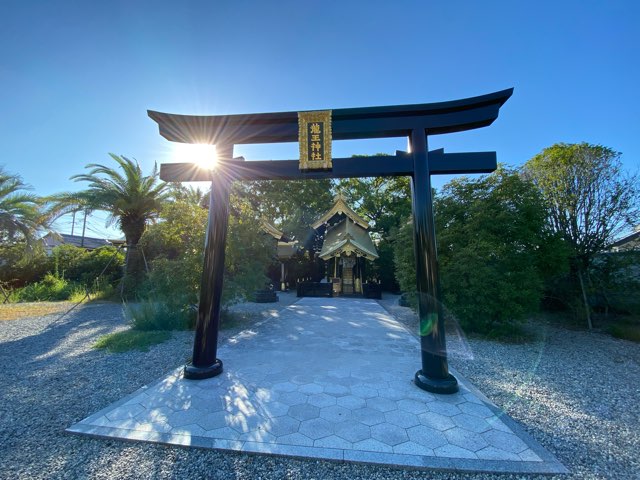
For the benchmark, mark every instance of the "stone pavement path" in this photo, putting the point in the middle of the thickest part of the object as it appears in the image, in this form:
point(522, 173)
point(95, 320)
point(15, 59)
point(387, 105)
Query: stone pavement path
point(327, 378)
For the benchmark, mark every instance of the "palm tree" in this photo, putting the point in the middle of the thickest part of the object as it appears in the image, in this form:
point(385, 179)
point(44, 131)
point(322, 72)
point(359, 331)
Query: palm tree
point(131, 198)
point(20, 213)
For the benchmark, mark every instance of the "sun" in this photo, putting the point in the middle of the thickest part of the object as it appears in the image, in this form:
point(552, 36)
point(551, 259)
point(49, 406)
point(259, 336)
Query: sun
point(202, 154)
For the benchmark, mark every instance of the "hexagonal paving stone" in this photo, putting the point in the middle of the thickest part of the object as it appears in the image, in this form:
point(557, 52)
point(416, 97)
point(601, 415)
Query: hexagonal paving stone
point(259, 435)
point(368, 416)
point(191, 430)
point(471, 423)
point(443, 408)
point(214, 420)
point(285, 387)
point(352, 431)
point(212, 403)
point(436, 421)
point(465, 439)
point(335, 413)
point(322, 400)
point(475, 409)
point(336, 389)
point(246, 423)
point(390, 393)
point(184, 417)
point(381, 404)
point(453, 451)
point(363, 391)
point(160, 415)
point(493, 453)
point(401, 418)
point(332, 441)
point(295, 439)
point(505, 441)
point(412, 406)
point(281, 426)
point(310, 388)
point(389, 434)
point(225, 433)
point(351, 402)
point(293, 398)
point(316, 428)
point(125, 412)
point(372, 445)
point(426, 436)
point(304, 411)
point(274, 409)
point(412, 448)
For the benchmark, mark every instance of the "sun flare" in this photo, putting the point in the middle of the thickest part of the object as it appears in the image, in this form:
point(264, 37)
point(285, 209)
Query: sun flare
point(202, 154)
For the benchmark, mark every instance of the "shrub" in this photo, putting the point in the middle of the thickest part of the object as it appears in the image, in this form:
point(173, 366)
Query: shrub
point(494, 251)
point(155, 316)
point(50, 288)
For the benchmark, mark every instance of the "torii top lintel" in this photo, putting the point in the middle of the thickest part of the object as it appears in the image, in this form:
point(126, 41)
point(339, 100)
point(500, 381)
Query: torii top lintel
point(347, 123)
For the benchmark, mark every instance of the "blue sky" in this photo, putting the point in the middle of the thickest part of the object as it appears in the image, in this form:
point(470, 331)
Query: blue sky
point(78, 77)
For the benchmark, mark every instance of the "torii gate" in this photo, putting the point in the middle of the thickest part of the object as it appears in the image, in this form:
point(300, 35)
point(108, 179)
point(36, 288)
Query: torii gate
point(413, 121)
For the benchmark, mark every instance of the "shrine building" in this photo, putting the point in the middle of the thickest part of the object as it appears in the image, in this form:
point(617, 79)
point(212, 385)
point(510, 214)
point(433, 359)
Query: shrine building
point(346, 247)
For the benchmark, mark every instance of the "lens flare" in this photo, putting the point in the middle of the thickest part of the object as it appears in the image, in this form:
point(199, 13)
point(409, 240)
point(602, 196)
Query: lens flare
point(202, 154)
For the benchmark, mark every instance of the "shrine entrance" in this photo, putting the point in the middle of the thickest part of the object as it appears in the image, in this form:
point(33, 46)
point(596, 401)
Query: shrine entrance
point(315, 131)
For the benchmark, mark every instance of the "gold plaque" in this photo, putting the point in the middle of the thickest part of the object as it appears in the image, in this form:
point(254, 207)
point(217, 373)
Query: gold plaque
point(314, 135)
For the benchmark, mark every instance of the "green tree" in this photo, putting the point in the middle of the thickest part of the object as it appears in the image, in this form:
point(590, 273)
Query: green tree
point(20, 211)
point(493, 249)
point(132, 199)
point(175, 248)
point(589, 198)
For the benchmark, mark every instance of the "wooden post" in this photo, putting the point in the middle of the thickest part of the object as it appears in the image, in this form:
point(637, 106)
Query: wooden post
point(434, 375)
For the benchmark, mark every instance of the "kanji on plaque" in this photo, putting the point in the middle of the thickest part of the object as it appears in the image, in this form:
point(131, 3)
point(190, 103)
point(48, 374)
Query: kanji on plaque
point(314, 135)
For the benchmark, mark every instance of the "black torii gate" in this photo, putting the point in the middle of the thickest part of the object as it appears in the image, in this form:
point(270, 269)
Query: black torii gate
point(413, 121)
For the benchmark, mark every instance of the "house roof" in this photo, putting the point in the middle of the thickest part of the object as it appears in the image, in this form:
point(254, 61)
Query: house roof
point(627, 243)
point(53, 240)
point(340, 207)
point(348, 237)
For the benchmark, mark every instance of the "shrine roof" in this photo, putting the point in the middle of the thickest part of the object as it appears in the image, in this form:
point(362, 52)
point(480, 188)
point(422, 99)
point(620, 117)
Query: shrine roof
point(347, 236)
point(340, 207)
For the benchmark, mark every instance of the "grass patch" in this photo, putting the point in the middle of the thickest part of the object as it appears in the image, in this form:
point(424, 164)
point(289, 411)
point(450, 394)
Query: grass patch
point(15, 311)
point(131, 340)
point(626, 331)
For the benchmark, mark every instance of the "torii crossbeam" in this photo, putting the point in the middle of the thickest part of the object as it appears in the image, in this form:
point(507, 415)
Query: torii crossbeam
point(413, 121)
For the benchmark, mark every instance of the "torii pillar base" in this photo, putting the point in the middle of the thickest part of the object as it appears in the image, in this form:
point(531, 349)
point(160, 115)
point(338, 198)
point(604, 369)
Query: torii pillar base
point(192, 372)
point(436, 385)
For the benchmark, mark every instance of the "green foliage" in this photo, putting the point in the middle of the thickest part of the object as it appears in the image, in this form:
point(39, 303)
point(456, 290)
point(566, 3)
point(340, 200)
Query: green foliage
point(404, 257)
point(157, 316)
point(494, 251)
point(175, 248)
point(18, 268)
point(20, 212)
point(291, 206)
point(615, 282)
point(589, 199)
point(626, 331)
point(131, 340)
point(50, 288)
point(132, 198)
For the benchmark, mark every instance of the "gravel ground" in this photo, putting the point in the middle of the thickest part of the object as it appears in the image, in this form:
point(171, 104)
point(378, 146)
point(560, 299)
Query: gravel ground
point(562, 388)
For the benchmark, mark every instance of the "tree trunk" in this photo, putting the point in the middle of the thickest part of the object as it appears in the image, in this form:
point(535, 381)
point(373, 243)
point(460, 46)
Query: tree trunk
point(587, 309)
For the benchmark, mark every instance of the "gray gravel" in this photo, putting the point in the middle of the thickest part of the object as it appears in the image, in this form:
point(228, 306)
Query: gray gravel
point(575, 392)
